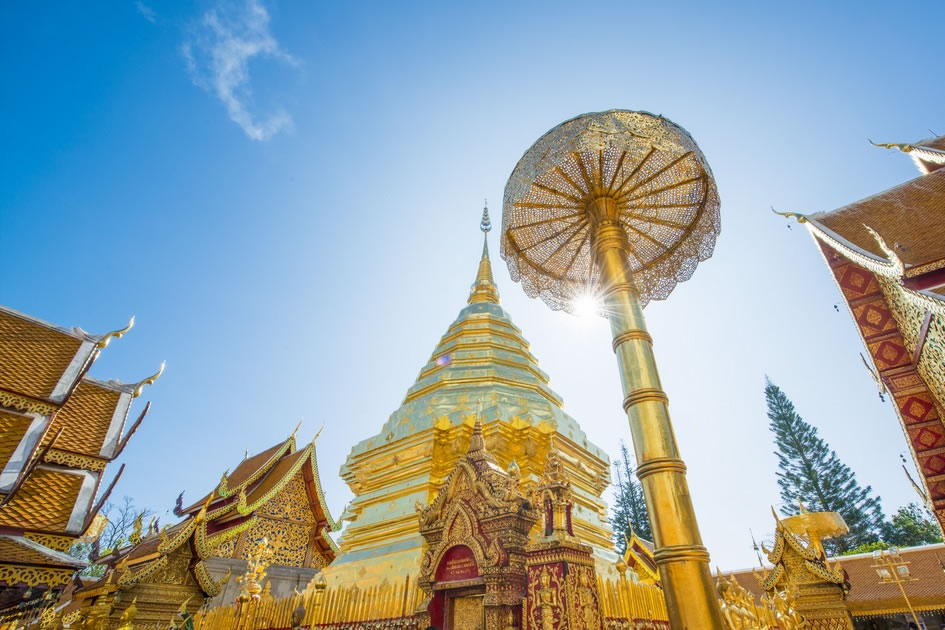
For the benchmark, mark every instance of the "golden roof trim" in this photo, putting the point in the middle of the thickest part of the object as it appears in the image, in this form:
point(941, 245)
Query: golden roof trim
point(75, 460)
point(26, 403)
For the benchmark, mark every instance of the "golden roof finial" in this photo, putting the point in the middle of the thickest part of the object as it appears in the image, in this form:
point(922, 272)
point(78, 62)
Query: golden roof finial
point(484, 289)
point(905, 148)
point(800, 217)
point(115, 334)
point(221, 487)
point(202, 514)
point(148, 381)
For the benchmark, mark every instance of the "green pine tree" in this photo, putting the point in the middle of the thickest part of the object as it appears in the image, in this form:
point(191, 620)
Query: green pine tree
point(810, 471)
point(629, 509)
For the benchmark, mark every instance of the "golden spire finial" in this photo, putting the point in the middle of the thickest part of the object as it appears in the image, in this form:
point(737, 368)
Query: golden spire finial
point(800, 217)
point(905, 148)
point(484, 289)
point(148, 381)
point(115, 334)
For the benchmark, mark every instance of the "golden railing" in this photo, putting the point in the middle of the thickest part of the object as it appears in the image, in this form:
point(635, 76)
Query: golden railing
point(332, 606)
point(633, 601)
point(620, 600)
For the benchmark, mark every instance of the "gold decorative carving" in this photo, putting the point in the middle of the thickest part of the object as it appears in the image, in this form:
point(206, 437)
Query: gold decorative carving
point(22, 403)
point(59, 543)
point(75, 460)
point(11, 574)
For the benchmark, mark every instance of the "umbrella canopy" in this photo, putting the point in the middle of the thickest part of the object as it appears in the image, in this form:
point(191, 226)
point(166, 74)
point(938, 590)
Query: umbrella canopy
point(647, 167)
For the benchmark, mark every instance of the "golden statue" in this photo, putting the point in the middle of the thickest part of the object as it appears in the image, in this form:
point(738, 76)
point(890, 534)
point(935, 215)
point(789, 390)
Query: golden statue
point(547, 601)
point(587, 603)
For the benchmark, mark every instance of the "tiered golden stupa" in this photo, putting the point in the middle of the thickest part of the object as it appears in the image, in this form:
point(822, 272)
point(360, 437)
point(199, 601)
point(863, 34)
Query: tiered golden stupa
point(482, 365)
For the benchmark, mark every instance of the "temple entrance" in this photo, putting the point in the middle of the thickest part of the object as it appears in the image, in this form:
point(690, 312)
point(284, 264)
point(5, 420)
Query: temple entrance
point(465, 612)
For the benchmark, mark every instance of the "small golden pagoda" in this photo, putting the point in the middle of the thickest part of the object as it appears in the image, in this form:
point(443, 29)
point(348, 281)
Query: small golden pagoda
point(887, 255)
point(59, 429)
point(275, 495)
point(482, 365)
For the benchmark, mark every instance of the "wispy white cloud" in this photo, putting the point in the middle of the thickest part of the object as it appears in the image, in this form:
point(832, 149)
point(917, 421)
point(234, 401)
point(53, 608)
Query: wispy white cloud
point(224, 41)
point(146, 11)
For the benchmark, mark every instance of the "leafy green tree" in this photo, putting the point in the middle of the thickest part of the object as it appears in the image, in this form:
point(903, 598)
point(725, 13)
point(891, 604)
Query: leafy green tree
point(876, 545)
point(629, 509)
point(910, 526)
point(810, 471)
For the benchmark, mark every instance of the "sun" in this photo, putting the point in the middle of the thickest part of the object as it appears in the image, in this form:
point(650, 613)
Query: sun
point(587, 306)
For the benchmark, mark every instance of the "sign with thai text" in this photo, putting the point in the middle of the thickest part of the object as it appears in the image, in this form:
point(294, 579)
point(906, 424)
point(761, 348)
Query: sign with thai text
point(458, 563)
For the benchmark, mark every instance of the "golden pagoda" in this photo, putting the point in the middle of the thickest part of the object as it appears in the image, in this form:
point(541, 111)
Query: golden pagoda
point(59, 429)
point(481, 366)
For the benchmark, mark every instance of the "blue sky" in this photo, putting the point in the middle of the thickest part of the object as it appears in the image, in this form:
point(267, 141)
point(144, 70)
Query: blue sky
point(286, 195)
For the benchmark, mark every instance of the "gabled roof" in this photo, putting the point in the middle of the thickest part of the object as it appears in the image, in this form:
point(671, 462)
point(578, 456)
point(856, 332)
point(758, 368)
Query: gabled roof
point(20, 550)
point(910, 218)
point(46, 502)
point(40, 360)
point(229, 510)
point(249, 470)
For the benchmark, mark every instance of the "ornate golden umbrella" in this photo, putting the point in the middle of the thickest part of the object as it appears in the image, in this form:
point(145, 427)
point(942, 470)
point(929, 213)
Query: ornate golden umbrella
point(623, 205)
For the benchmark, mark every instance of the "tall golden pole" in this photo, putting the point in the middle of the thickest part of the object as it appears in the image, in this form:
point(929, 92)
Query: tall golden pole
point(691, 597)
point(623, 203)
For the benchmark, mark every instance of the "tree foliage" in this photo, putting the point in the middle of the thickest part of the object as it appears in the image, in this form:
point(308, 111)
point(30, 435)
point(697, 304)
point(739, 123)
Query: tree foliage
point(629, 509)
point(912, 525)
point(810, 471)
point(870, 547)
point(121, 518)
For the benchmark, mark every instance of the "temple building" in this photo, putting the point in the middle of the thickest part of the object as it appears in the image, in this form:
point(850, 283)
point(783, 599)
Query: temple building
point(59, 429)
point(483, 367)
point(878, 604)
point(638, 560)
point(274, 495)
point(887, 255)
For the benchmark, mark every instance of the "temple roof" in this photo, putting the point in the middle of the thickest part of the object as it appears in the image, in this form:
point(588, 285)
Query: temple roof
point(868, 596)
point(250, 469)
point(36, 357)
point(22, 550)
point(910, 218)
point(239, 501)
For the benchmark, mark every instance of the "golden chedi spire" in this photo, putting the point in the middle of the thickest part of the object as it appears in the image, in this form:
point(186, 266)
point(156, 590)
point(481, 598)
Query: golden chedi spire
point(484, 289)
point(480, 373)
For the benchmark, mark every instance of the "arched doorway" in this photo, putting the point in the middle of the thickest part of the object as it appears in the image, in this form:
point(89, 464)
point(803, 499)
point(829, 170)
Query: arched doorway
point(458, 588)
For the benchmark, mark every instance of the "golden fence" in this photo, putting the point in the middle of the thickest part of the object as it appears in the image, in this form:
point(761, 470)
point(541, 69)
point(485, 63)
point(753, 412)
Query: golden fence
point(386, 601)
point(633, 601)
point(393, 604)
